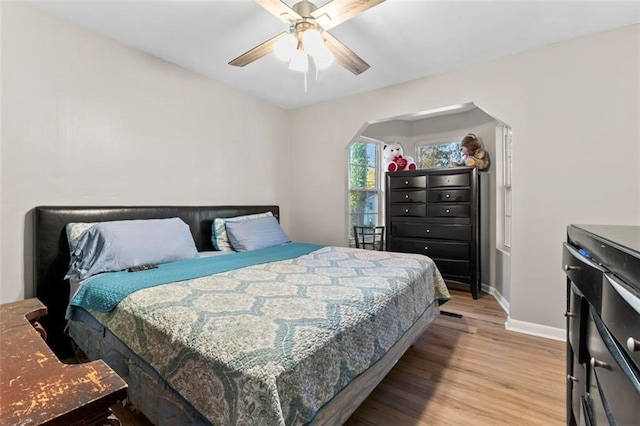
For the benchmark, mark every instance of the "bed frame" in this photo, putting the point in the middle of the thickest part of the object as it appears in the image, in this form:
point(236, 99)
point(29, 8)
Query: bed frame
point(51, 252)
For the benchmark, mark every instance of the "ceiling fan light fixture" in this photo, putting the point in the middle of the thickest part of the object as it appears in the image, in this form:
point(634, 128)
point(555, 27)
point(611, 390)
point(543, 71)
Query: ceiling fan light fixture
point(323, 58)
point(311, 23)
point(312, 41)
point(299, 61)
point(285, 48)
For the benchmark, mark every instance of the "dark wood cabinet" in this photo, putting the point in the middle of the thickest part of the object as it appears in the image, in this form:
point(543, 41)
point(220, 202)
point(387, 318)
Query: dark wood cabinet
point(602, 264)
point(435, 212)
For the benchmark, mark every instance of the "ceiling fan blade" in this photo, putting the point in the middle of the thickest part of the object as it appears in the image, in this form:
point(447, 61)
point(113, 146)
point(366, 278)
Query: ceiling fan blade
point(338, 11)
point(280, 10)
point(344, 56)
point(257, 52)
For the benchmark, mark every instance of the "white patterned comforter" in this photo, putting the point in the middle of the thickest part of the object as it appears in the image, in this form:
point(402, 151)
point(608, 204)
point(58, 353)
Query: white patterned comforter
point(271, 344)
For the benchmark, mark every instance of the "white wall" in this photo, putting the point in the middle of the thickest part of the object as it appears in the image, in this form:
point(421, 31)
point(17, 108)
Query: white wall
point(391, 131)
point(573, 107)
point(89, 121)
point(1, 239)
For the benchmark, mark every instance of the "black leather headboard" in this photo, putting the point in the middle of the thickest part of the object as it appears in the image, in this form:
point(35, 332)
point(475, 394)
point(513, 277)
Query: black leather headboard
point(51, 250)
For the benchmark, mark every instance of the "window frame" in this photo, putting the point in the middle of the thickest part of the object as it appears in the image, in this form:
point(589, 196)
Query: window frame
point(379, 187)
point(504, 189)
point(430, 142)
point(507, 170)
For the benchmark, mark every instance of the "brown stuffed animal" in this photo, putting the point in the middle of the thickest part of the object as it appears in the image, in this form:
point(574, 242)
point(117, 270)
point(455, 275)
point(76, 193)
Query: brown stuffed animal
point(472, 152)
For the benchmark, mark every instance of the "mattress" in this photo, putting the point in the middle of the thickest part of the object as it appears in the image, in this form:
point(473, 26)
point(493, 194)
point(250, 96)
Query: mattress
point(274, 342)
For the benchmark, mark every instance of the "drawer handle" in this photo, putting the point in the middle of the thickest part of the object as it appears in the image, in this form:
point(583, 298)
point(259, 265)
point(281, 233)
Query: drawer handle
point(406, 182)
point(633, 345)
point(597, 363)
point(406, 210)
point(406, 196)
point(571, 378)
point(428, 231)
point(448, 211)
point(426, 248)
point(447, 196)
point(571, 268)
point(569, 314)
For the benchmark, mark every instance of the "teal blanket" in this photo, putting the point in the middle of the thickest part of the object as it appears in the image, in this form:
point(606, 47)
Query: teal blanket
point(103, 292)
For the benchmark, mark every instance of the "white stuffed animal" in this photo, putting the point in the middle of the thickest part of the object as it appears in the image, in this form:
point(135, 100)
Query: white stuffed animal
point(394, 158)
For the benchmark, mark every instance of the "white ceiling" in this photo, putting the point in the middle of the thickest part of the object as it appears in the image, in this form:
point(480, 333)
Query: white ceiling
point(401, 39)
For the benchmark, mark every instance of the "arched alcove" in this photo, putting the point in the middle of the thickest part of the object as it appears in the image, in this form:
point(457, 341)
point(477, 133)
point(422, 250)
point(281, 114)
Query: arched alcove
point(445, 125)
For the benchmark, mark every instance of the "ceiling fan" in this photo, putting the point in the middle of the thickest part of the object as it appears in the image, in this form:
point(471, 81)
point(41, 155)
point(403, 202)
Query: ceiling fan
point(308, 35)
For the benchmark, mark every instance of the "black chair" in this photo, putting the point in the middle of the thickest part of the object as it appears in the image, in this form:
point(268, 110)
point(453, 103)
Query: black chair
point(369, 237)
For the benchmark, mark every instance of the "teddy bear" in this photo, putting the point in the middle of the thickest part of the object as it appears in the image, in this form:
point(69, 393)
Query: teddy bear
point(472, 152)
point(394, 158)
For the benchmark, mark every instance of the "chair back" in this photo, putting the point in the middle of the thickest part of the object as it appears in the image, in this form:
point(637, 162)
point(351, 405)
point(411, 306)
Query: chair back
point(369, 237)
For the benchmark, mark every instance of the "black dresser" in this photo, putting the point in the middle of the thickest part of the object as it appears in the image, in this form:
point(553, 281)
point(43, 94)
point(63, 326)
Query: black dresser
point(435, 212)
point(602, 264)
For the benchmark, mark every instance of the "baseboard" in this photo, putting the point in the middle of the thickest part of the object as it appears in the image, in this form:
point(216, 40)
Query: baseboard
point(523, 326)
point(504, 303)
point(536, 329)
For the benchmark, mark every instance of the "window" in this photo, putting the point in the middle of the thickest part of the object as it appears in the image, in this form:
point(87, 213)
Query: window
point(442, 153)
point(506, 168)
point(364, 185)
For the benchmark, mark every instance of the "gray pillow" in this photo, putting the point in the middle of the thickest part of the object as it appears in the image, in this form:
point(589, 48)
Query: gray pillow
point(256, 234)
point(219, 230)
point(74, 231)
point(118, 245)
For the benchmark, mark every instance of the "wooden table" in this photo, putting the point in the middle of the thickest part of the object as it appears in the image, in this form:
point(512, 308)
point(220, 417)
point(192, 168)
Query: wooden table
point(36, 388)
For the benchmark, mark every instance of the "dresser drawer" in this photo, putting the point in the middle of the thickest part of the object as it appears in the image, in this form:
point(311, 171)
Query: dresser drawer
point(455, 269)
point(577, 385)
point(577, 311)
point(427, 230)
point(617, 379)
point(449, 195)
point(416, 210)
point(409, 196)
point(408, 182)
point(458, 179)
point(584, 273)
point(445, 210)
point(622, 319)
point(433, 248)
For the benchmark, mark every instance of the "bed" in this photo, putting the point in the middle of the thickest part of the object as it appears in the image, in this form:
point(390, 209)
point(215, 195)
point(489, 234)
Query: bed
point(294, 334)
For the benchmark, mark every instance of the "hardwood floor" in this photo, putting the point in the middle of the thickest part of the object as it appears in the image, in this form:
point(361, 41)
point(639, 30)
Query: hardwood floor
point(471, 371)
point(464, 371)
